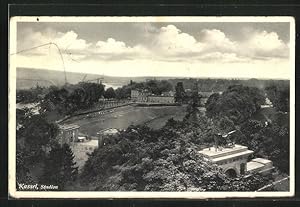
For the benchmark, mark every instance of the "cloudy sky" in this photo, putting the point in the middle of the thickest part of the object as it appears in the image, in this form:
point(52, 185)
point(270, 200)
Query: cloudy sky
point(184, 49)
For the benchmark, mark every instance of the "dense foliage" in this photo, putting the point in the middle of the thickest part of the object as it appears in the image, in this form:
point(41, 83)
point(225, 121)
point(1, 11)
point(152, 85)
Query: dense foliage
point(154, 86)
point(34, 133)
point(167, 159)
point(238, 103)
point(70, 98)
point(37, 146)
point(279, 96)
point(30, 95)
point(217, 85)
point(270, 141)
point(142, 159)
point(110, 93)
point(236, 109)
point(60, 168)
point(179, 93)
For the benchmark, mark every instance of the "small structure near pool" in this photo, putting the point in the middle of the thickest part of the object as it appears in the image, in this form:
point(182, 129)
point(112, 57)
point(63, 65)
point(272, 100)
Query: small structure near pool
point(68, 133)
point(104, 136)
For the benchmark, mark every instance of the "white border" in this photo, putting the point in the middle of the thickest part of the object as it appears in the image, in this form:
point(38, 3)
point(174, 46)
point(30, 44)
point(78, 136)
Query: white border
point(92, 194)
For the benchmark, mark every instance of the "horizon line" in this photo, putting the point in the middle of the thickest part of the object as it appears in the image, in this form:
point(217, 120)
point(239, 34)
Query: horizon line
point(150, 76)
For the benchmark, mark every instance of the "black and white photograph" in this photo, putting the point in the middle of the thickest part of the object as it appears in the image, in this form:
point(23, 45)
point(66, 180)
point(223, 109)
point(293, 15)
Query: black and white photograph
point(151, 107)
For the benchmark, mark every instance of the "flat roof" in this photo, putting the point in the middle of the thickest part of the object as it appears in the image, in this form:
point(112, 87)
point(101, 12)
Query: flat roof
point(254, 166)
point(108, 131)
point(89, 143)
point(161, 96)
point(213, 153)
point(243, 153)
point(69, 126)
point(262, 160)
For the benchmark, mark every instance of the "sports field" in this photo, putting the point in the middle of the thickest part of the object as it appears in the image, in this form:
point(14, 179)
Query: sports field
point(122, 117)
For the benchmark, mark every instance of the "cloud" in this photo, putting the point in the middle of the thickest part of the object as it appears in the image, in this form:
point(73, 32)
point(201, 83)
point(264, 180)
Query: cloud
point(30, 38)
point(223, 57)
point(111, 46)
point(74, 47)
point(213, 45)
point(171, 41)
point(265, 44)
point(114, 47)
point(70, 41)
point(217, 41)
point(164, 44)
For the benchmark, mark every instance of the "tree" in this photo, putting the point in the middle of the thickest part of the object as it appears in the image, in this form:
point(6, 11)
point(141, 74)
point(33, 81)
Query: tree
point(35, 137)
point(60, 167)
point(195, 99)
point(36, 134)
point(93, 91)
point(55, 99)
point(164, 86)
point(72, 97)
point(238, 103)
point(280, 97)
point(179, 92)
point(157, 87)
point(52, 173)
point(25, 96)
point(68, 164)
point(110, 93)
point(30, 95)
point(271, 141)
point(23, 175)
point(153, 86)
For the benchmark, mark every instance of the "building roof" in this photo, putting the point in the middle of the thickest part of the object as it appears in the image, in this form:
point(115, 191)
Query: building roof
point(259, 165)
point(253, 166)
point(244, 153)
point(213, 153)
point(89, 143)
point(225, 153)
point(262, 161)
point(68, 126)
point(141, 90)
point(161, 96)
point(108, 131)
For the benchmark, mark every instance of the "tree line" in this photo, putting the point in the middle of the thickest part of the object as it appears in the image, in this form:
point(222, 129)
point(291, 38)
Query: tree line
point(218, 84)
point(67, 99)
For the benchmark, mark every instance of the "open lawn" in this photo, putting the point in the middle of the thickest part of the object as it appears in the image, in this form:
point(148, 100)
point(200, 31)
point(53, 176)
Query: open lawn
point(122, 117)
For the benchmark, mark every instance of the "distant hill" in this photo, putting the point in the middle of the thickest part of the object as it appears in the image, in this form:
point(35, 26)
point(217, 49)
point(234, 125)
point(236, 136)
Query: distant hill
point(28, 78)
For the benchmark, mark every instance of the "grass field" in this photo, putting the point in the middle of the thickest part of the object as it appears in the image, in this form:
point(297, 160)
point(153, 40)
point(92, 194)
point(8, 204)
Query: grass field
point(122, 117)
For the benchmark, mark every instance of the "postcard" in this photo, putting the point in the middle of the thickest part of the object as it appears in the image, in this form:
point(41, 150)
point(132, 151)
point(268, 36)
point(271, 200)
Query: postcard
point(151, 107)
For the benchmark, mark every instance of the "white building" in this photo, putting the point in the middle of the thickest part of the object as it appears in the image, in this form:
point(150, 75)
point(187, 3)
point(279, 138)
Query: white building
point(233, 160)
